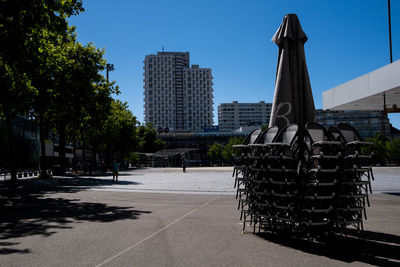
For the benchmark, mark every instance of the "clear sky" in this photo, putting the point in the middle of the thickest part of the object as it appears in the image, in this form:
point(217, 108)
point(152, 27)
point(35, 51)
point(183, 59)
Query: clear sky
point(346, 39)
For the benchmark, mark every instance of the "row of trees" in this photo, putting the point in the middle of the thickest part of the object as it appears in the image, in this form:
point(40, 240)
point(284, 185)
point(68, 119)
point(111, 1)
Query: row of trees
point(386, 151)
point(46, 74)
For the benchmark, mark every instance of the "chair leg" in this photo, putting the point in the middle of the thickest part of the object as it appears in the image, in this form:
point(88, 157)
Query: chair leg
point(370, 175)
point(241, 211)
point(244, 223)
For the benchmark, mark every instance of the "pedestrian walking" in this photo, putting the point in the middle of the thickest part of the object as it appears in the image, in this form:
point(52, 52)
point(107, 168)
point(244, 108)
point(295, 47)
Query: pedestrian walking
point(183, 162)
point(115, 170)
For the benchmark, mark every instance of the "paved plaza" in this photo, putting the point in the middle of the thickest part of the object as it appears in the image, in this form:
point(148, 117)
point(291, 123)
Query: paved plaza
point(164, 217)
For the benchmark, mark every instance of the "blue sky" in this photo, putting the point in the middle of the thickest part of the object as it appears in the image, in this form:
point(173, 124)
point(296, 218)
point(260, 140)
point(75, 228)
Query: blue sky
point(346, 39)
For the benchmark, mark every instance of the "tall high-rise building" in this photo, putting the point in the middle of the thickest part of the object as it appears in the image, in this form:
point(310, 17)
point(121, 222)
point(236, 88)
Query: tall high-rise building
point(232, 116)
point(177, 96)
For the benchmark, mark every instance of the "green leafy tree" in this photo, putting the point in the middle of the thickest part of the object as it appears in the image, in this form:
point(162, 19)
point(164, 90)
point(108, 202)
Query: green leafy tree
point(215, 151)
point(148, 141)
point(83, 99)
point(30, 32)
point(116, 135)
point(121, 130)
point(378, 148)
point(228, 150)
point(393, 149)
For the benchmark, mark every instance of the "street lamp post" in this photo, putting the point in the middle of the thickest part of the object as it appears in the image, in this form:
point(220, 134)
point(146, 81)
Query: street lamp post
point(109, 67)
point(390, 33)
point(385, 110)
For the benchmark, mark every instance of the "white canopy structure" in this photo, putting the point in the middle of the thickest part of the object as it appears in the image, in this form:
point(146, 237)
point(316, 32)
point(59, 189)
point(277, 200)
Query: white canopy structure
point(366, 92)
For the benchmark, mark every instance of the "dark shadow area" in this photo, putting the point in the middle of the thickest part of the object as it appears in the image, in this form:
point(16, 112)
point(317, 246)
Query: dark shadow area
point(98, 173)
point(108, 174)
point(62, 184)
point(393, 193)
point(28, 208)
point(86, 182)
point(5, 250)
point(374, 248)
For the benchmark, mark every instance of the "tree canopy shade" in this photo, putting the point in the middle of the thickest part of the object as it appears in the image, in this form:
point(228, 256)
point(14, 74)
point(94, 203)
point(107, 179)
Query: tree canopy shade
point(215, 151)
point(228, 151)
point(224, 152)
point(148, 141)
point(385, 151)
point(46, 73)
point(28, 30)
point(30, 33)
point(116, 135)
point(83, 97)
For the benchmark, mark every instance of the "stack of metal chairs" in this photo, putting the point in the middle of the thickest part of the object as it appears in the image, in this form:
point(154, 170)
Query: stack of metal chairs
point(267, 199)
point(315, 186)
point(323, 157)
point(242, 164)
point(355, 180)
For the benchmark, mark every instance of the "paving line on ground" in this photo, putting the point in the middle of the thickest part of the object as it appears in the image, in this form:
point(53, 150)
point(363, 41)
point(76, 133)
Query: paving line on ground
point(155, 233)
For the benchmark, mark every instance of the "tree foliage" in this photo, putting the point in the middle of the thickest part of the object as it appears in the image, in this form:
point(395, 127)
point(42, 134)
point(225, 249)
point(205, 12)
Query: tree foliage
point(119, 131)
point(45, 72)
point(215, 151)
point(384, 150)
point(224, 152)
point(228, 151)
point(393, 149)
point(31, 33)
point(148, 141)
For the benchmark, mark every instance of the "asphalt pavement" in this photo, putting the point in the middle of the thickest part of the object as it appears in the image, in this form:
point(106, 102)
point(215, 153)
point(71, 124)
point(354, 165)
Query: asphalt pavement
point(164, 217)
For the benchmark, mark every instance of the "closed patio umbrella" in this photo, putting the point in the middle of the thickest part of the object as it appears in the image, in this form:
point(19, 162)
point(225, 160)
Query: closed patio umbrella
point(293, 100)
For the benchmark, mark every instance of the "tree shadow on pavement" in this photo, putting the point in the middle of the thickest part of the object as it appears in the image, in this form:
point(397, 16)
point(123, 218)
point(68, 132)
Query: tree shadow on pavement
point(393, 193)
point(30, 208)
point(4, 248)
point(61, 184)
point(369, 247)
point(108, 174)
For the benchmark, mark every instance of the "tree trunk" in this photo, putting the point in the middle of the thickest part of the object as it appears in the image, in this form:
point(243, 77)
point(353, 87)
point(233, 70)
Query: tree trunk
point(94, 159)
point(61, 146)
point(43, 159)
point(10, 145)
point(74, 161)
point(83, 152)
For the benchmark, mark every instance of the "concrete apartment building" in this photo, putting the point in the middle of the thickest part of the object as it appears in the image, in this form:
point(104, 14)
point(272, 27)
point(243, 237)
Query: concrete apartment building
point(177, 97)
point(366, 122)
point(232, 116)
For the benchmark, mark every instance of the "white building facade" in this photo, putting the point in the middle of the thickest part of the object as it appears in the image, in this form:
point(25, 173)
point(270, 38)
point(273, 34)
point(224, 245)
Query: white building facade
point(232, 116)
point(177, 97)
